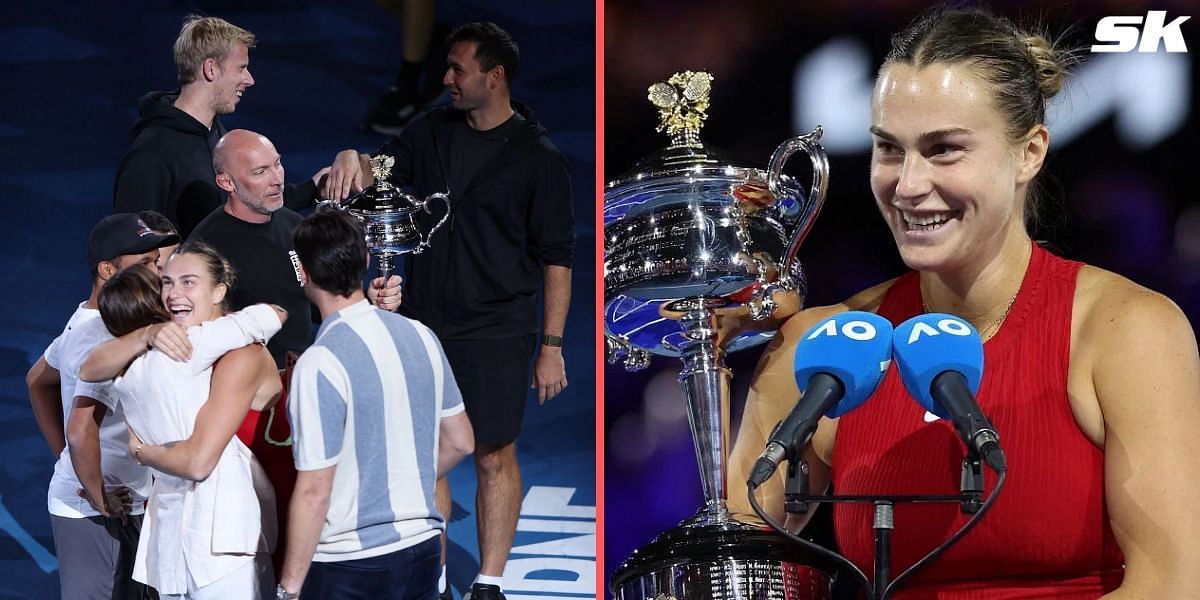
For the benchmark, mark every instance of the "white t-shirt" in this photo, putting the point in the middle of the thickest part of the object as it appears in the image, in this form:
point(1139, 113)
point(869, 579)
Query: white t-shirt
point(84, 331)
point(199, 529)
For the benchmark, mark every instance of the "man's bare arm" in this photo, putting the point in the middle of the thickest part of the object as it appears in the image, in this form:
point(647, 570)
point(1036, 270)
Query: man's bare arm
point(46, 400)
point(456, 440)
point(83, 431)
point(310, 504)
point(549, 370)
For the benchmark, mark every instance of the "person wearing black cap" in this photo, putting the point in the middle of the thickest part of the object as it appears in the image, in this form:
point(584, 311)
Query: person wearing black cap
point(97, 492)
point(160, 224)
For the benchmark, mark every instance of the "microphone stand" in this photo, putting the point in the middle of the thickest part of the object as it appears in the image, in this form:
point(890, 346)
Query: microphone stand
point(795, 486)
point(971, 483)
point(970, 500)
point(884, 524)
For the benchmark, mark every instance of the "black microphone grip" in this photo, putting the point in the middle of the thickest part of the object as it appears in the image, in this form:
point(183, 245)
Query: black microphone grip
point(950, 389)
point(797, 428)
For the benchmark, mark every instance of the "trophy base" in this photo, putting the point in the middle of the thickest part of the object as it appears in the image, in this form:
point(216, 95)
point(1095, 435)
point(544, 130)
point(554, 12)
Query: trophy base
point(722, 562)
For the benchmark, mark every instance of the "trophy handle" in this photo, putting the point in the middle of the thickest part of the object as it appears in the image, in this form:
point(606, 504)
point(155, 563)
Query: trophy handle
point(334, 203)
point(425, 237)
point(816, 196)
point(618, 349)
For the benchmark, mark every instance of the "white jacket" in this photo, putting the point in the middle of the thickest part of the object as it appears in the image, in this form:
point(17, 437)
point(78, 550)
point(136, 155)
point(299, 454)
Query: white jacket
point(208, 528)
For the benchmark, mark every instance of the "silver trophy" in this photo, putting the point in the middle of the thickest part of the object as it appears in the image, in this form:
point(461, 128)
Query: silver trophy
point(699, 260)
point(387, 215)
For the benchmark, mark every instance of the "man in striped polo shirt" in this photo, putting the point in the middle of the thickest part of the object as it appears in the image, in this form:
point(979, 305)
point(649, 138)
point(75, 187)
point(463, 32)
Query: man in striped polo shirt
point(376, 418)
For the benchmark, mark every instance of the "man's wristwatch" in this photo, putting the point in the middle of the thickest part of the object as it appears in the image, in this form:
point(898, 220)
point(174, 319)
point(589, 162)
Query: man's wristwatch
point(552, 340)
point(282, 594)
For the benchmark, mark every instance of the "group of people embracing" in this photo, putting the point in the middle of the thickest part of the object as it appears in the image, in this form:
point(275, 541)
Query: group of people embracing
point(179, 387)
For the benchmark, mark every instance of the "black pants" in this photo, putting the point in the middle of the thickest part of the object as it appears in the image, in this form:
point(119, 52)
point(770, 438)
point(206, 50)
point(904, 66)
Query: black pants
point(408, 574)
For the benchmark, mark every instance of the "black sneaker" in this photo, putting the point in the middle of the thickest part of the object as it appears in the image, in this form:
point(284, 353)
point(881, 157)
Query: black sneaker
point(393, 112)
point(480, 591)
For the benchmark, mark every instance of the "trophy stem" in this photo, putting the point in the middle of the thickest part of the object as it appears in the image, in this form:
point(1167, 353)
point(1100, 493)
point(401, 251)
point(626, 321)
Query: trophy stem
point(705, 381)
point(385, 264)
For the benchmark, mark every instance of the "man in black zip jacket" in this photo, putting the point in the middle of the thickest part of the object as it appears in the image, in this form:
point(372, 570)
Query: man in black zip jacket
point(510, 229)
point(169, 164)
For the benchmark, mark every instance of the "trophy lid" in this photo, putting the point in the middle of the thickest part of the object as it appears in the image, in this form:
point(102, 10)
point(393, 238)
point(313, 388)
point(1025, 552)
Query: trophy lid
point(686, 166)
point(382, 195)
point(682, 103)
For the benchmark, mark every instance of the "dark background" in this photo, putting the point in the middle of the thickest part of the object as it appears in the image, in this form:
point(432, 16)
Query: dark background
point(1123, 137)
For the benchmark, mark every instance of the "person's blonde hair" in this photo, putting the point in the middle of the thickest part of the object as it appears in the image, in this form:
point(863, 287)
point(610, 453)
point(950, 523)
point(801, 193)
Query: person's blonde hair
point(202, 38)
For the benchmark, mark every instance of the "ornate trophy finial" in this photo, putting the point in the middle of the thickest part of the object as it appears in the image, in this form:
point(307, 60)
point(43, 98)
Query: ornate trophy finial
point(682, 102)
point(381, 167)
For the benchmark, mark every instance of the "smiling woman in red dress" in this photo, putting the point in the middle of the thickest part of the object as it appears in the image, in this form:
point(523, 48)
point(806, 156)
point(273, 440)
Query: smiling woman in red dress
point(1092, 381)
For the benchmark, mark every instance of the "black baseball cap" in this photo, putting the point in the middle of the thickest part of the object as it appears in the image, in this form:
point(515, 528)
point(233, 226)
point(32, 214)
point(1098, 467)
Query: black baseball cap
point(124, 233)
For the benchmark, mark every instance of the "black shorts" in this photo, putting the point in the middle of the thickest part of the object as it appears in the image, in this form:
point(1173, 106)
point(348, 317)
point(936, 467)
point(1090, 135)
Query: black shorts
point(494, 377)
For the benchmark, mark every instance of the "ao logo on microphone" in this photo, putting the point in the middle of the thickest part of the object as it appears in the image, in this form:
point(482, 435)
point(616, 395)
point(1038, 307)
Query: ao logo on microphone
point(1123, 33)
point(856, 330)
point(950, 326)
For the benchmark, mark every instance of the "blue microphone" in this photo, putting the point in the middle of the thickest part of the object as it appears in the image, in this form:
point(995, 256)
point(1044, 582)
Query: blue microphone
point(838, 364)
point(940, 359)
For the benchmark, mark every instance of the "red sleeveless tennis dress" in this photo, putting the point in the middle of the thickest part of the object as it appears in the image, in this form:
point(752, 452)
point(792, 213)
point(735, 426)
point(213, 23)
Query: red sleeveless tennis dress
point(269, 436)
point(1048, 534)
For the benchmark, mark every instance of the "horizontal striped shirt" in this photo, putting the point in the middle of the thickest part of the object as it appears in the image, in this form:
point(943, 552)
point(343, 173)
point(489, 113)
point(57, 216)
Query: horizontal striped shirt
point(368, 396)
